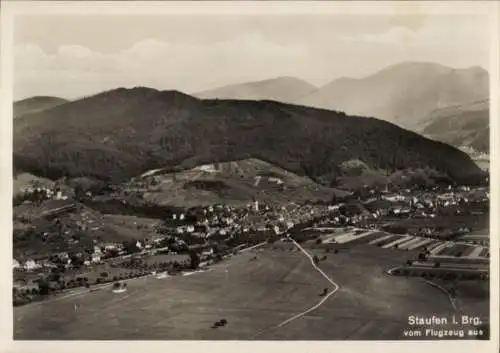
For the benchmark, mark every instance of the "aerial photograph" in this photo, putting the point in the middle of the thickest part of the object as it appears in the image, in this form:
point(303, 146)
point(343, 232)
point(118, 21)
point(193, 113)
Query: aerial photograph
point(251, 176)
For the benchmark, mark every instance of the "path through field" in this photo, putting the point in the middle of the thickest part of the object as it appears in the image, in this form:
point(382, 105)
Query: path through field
point(316, 306)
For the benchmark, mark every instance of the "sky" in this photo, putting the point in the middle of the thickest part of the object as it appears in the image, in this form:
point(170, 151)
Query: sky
point(71, 56)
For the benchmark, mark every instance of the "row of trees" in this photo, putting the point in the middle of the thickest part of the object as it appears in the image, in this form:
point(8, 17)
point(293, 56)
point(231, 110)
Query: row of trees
point(447, 276)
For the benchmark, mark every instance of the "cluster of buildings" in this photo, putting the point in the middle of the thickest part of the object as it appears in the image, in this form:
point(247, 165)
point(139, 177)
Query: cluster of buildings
point(207, 225)
point(37, 192)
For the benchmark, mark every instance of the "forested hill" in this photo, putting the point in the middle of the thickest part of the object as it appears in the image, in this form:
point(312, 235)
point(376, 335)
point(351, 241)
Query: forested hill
point(121, 133)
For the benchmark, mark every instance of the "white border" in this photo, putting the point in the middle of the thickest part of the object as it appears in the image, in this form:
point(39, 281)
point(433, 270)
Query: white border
point(12, 8)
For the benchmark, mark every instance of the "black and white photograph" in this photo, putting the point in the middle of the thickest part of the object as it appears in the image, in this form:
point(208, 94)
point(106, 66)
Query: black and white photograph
point(252, 172)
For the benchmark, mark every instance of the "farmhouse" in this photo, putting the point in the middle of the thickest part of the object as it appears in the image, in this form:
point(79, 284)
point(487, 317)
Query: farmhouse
point(31, 265)
point(110, 246)
point(275, 180)
point(394, 197)
point(96, 257)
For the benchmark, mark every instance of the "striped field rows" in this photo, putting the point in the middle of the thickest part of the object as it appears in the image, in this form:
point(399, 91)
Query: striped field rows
point(409, 242)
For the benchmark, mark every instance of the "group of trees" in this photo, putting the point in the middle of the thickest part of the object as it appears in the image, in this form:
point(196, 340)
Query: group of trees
point(317, 259)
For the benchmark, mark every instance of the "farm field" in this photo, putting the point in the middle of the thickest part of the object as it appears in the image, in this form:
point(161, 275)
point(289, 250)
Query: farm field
point(440, 250)
point(252, 296)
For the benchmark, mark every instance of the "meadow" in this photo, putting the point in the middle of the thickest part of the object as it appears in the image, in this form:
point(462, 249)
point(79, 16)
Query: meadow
point(254, 291)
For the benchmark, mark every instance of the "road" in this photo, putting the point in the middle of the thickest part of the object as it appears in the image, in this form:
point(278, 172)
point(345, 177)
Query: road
point(445, 291)
point(299, 315)
point(435, 285)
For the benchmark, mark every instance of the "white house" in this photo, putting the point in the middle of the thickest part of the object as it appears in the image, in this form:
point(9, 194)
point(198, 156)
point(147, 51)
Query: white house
point(96, 257)
point(110, 246)
point(15, 264)
point(138, 244)
point(394, 198)
point(190, 229)
point(31, 265)
point(208, 252)
point(275, 180)
point(181, 217)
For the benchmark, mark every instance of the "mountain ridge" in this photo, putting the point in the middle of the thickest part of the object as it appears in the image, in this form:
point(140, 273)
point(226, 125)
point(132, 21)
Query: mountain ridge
point(405, 93)
point(120, 133)
point(285, 89)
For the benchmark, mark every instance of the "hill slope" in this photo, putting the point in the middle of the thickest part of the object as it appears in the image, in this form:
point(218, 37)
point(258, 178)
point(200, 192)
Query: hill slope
point(281, 89)
point(404, 94)
point(119, 134)
point(35, 104)
point(462, 126)
point(232, 182)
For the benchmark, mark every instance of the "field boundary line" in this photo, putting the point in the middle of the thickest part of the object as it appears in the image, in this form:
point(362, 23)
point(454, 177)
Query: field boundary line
point(435, 285)
point(445, 291)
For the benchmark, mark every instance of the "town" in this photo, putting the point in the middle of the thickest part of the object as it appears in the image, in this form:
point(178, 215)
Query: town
point(443, 229)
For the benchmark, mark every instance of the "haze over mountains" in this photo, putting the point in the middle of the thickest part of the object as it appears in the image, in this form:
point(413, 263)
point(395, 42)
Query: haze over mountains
point(408, 94)
point(404, 94)
point(122, 133)
point(280, 89)
point(35, 104)
point(462, 125)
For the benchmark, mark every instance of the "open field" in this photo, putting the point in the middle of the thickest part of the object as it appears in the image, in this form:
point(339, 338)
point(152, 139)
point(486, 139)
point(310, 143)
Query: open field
point(252, 296)
point(249, 296)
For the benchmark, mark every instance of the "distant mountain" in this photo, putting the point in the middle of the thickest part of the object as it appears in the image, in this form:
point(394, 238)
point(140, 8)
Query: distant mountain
point(281, 89)
point(461, 126)
point(404, 94)
point(35, 104)
point(122, 133)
